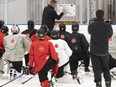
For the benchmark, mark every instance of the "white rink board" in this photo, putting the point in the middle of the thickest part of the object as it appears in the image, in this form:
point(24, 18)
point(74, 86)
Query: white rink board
point(70, 9)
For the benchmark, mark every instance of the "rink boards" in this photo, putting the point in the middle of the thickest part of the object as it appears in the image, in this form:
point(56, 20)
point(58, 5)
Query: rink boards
point(82, 29)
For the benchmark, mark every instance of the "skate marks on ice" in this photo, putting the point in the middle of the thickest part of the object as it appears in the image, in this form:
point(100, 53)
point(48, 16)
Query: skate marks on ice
point(65, 81)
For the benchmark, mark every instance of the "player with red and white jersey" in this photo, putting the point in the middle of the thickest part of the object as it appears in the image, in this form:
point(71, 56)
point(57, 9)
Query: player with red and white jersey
point(63, 50)
point(42, 58)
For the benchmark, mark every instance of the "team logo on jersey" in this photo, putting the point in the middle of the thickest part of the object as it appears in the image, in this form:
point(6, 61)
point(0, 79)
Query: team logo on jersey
point(41, 48)
point(28, 35)
point(12, 41)
point(56, 45)
point(110, 39)
point(73, 40)
point(62, 36)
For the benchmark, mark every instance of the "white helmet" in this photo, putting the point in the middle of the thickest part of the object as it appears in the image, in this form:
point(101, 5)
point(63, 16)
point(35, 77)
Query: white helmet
point(15, 29)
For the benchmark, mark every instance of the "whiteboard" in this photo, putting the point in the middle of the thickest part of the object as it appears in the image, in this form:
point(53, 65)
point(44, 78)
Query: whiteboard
point(70, 9)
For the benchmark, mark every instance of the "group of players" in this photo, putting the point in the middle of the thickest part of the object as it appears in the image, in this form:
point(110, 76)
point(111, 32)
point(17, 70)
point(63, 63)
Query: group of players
point(57, 50)
point(44, 50)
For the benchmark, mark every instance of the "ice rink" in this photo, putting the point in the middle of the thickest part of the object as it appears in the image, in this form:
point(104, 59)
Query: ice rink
point(66, 81)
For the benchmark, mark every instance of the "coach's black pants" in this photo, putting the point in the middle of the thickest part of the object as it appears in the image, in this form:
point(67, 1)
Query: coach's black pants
point(100, 64)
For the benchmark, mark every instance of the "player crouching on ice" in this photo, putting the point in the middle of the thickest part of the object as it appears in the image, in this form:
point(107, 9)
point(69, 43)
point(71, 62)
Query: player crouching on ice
point(43, 58)
point(64, 52)
point(15, 47)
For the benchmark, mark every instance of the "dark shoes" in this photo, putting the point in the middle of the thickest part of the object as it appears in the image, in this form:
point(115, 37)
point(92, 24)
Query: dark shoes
point(98, 84)
point(108, 84)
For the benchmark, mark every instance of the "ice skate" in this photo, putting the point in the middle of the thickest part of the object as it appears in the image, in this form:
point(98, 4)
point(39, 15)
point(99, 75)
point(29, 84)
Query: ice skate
point(108, 84)
point(13, 73)
point(78, 78)
point(98, 84)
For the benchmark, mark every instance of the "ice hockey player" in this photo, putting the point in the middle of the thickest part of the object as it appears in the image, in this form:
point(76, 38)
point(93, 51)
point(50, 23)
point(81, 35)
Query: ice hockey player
point(45, 28)
point(15, 47)
point(63, 50)
point(63, 34)
point(30, 31)
point(79, 46)
point(42, 58)
point(1, 24)
point(3, 33)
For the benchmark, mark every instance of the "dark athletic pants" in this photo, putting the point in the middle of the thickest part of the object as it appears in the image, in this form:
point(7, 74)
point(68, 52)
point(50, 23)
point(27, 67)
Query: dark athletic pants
point(44, 71)
point(100, 64)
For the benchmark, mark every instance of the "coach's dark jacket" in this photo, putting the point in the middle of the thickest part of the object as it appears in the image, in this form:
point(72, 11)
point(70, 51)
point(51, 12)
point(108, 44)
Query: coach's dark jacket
point(100, 32)
point(49, 16)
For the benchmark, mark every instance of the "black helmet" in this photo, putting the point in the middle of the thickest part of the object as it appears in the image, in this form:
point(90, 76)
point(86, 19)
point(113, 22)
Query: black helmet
point(30, 24)
point(62, 27)
point(75, 26)
point(40, 33)
point(45, 27)
point(4, 29)
point(1, 23)
point(54, 34)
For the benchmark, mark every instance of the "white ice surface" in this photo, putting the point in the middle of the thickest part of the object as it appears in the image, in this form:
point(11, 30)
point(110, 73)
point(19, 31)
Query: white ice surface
point(66, 81)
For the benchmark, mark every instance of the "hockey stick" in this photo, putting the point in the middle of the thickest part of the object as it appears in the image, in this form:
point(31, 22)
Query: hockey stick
point(5, 61)
point(12, 80)
point(76, 78)
point(28, 79)
point(113, 75)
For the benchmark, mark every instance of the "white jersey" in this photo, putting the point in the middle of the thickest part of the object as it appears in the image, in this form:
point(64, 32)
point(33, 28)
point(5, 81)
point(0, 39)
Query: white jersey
point(15, 46)
point(63, 50)
point(112, 45)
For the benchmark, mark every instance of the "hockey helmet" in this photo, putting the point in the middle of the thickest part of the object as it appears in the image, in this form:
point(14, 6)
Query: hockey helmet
point(75, 26)
point(45, 27)
point(62, 27)
point(15, 29)
point(1, 23)
point(41, 33)
point(4, 29)
point(30, 24)
point(54, 34)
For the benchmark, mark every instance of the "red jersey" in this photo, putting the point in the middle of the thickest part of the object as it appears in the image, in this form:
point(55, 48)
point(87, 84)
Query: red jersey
point(2, 35)
point(39, 54)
